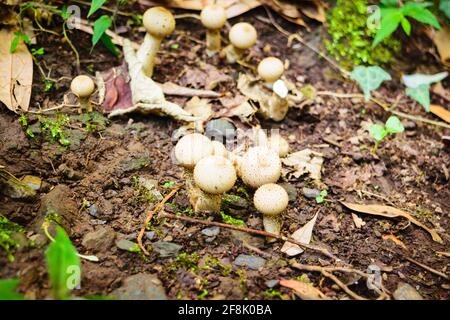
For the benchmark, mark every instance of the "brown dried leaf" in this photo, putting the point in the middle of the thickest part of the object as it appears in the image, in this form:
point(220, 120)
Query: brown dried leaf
point(172, 89)
point(394, 239)
point(441, 112)
point(302, 235)
point(305, 161)
point(441, 91)
point(303, 290)
point(442, 41)
point(16, 73)
point(359, 223)
point(199, 108)
point(390, 212)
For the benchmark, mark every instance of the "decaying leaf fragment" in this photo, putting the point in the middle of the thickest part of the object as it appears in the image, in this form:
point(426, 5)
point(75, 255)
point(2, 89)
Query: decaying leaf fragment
point(304, 290)
point(390, 212)
point(16, 73)
point(442, 41)
point(302, 235)
point(305, 161)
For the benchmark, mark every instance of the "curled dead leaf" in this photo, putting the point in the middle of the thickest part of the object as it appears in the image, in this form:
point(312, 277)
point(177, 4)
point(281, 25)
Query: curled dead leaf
point(442, 41)
point(305, 161)
point(302, 235)
point(304, 290)
point(390, 212)
point(394, 239)
point(441, 112)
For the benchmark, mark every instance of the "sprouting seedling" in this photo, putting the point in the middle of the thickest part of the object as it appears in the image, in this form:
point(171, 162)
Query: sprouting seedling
point(378, 131)
point(321, 197)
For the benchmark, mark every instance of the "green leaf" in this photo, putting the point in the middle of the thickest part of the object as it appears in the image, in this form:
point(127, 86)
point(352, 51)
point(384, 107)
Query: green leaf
point(390, 19)
point(369, 78)
point(14, 42)
point(421, 94)
point(444, 6)
point(95, 5)
point(415, 80)
point(8, 289)
point(417, 11)
point(377, 132)
point(100, 26)
point(107, 42)
point(64, 13)
point(63, 265)
point(394, 125)
point(406, 26)
point(389, 3)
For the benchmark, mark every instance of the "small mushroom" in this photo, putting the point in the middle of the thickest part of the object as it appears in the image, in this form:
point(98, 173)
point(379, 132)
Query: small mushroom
point(242, 37)
point(271, 200)
point(270, 70)
point(83, 87)
point(159, 23)
point(213, 17)
point(278, 144)
point(192, 148)
point(219, 149)
point(259, 166)
point(215, 174)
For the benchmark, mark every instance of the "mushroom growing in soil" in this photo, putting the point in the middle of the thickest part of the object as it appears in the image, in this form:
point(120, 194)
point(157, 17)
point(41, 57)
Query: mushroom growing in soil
point(214, 175)
point(278, 144)
point(213, 17)
point(159, 23)
point(219, 149)
point(242, 37)
point(192, 148)
point(271, 200)
point(259, 166)
point(83, 87)
point(270, 70)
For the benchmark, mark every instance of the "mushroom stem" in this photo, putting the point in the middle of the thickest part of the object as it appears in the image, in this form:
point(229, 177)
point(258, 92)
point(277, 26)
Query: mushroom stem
point(147, 53)
point(278, 107)
point(233, 54)
point(213, 42)
point(272, 224)
point(85, 103)
point(200, 200)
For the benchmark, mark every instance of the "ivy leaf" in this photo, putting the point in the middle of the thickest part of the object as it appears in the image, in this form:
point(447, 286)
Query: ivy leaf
point(106, 40)
point(100, 26)
point(95, 5)
point(394, 125)
point(369, 78)
point(390, 19)
point(406, 26)
point(418, 11)
point(444, 6)
point(415, 80)
point(62, 263)
point(421, 94)
point(8, 289)
point(377, 131)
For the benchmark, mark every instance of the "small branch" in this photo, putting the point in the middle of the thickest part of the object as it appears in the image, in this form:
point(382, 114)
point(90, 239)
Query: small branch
point(249, 230)
point(149, 217)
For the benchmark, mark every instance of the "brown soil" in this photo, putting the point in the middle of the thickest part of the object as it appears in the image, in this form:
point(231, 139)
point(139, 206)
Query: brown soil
point(409, 171)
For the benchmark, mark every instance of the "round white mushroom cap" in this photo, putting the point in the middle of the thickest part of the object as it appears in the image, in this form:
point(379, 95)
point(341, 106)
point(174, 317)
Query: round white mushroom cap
point(278, 144)
point(219, 149)
point(270, 199)
point(215, 174)
point(213, 17)
point(192, 148)
point(82, 86)
point(242, 35)
point(259, 166)
point(159, 22)
point(270, 69)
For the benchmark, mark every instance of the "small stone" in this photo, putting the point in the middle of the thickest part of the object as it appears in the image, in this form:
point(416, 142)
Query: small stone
point(405, 291)
point(38, 240)
point(126, 245)
point(291, 190)
point(211, 232)
point(255, 241)
point(220, 130)
point(236, 202)
point(33, 182)
point(166, 249)
point(310, 193)
point(150, 235)
point(271, 283)
point(141, 286)
point(93, 210)
point(250, 262)
point(100, 240)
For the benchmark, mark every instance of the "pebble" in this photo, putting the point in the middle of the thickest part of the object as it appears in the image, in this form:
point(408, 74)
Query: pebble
point(250, 262)
point(150, 235)
point(291, 190)
point(166, 249)
point(271, 283)
point(211, 232)
point(141, 286)
point(405, 291)
point(33, 182)
point(93, 210)
point(126, 245)
point(236, 202)
point(100, 240)
point(310, 193)
point(220, 129)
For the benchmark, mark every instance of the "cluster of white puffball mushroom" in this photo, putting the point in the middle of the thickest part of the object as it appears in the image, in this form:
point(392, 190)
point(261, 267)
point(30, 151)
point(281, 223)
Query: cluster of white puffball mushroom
point(211, 170)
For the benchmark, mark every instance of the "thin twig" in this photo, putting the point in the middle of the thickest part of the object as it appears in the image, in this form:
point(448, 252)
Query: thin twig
point(149, 217)
point(249, 230)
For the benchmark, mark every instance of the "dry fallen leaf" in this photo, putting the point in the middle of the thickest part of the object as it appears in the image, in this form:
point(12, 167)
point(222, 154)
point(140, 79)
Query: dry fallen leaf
point(16, 73)
point(441, 112)
point(305, 161)
point(359, 223)
point(394, 239)
point(304, 290)
point(440, 91)
point(302, 235)
point(390, 212)
point(199, 108)
point(442, 41)
point(172, 89)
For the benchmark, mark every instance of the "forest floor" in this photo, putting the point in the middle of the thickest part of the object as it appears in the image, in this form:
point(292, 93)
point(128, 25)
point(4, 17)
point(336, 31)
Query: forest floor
point(94, 184)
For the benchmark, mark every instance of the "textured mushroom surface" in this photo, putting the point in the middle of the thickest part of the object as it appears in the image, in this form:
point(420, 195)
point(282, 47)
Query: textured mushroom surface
point(279, 144)
point(215, 174)
point(270, 69)
point(243, 35)
point(82, 86)
point(271, 199)
point(159, 22)
point(259, 166)
point(213, 17)
point(192, 148)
